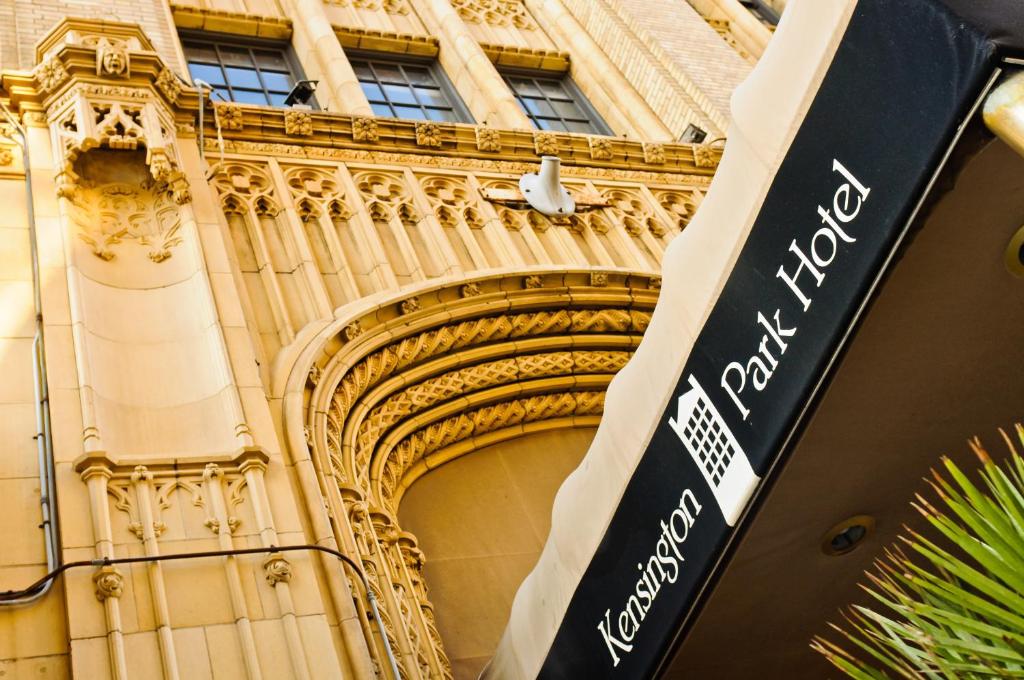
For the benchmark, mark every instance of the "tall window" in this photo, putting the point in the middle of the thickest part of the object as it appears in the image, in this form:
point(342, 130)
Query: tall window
point(554, 103)
point(409, 89)
point(254, 73)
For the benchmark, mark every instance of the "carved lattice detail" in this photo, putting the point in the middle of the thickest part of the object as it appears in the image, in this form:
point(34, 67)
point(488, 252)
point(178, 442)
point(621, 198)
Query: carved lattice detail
point(495, 12)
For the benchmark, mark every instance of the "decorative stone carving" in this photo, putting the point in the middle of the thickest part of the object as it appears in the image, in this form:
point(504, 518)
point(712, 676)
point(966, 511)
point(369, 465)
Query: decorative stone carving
point(109, 214)
point(315, 373)
point(352, 331)
point(112, 58)
point(470, 290)
point(109, 582)
point(633, 211)
point(654, 283)
point(495, 12)
point(487, 139)
point(298, 123)
point(245, 186)
point(533, 281)
point(599, 279)
point(428, 134)
point(277, 570)
point(50, 74)
point(400, 7)
point(679, 205)
point(703, 156)
point(600, 148)
point(313, 190)
point(654, 153)
point(228, 115)
point(449, 162)
point(410, 305)
point(545, 143)
point(364, 129)
point(6, 157)
point(169, 84)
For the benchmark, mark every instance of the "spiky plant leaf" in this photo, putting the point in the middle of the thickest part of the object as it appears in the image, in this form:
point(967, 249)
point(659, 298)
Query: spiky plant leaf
point(953, 608)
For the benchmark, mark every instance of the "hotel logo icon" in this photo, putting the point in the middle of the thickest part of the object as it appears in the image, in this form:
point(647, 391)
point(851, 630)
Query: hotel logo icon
point(715, 451)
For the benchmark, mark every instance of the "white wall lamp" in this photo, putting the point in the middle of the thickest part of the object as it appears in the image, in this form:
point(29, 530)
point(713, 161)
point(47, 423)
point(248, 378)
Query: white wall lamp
point(543, 191)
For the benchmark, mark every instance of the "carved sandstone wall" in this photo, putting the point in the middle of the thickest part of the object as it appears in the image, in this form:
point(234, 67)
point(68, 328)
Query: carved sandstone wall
point(267, 337)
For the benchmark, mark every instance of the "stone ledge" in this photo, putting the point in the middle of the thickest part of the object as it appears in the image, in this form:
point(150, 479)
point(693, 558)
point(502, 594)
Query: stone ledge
point(234, 23)
point(526, 57)
point(355, 38)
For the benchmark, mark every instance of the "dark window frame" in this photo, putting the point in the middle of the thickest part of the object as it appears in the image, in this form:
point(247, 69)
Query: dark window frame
point(564, 79)
point(457, 106)
point(209, 39)
point(761, 11)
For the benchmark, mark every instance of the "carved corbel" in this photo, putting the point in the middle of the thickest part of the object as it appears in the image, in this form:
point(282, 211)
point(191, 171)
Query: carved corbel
point(109, 583)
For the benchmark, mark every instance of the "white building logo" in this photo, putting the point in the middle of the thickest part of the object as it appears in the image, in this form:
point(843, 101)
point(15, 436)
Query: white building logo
point(715, 451)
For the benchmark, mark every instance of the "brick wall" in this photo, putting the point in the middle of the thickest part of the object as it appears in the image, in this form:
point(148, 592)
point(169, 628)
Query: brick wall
point(677, 62)
point(32, 19)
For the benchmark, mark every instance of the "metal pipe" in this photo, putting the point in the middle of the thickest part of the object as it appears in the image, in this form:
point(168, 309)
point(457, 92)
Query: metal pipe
point(43, 436)
point(45, 581)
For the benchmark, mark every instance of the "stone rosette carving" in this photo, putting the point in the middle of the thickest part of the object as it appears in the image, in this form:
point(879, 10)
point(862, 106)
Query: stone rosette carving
point(599, 279)
point(364, 129)
point(277, 570)
point(654, 153)
point(228, 115)
point(600, 148)
point(545, 143)
point(533, 281)
point(109, 583)
point(50, 74)
point(703, 156)
point(298, 123)
point(169, 84)
point(428, 134)
point(6, 157)
point(487, 139)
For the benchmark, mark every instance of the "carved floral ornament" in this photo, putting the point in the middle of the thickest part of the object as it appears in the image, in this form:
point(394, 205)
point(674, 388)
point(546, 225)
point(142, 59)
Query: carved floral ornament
point(107, 207)
point(388, 416)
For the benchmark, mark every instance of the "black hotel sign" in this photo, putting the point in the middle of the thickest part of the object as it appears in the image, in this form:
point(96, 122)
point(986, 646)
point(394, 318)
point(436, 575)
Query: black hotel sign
point(904, 77)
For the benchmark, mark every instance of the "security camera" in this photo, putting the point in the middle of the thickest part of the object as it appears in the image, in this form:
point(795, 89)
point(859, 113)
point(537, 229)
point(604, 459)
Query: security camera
point(301, 93)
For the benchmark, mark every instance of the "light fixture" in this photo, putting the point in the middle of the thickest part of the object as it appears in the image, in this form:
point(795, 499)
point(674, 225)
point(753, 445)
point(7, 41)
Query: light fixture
point(847, 535)
point(544, 192)
point(693, 135)
point(301, 93)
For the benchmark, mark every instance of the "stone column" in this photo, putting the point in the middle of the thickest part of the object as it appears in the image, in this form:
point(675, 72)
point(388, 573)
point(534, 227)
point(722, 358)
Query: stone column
point(496, 105)
point(586, 51)
point(342, 93)
point(752, 35)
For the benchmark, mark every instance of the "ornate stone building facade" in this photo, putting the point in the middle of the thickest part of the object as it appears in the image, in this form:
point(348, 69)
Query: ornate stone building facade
point(228, 325)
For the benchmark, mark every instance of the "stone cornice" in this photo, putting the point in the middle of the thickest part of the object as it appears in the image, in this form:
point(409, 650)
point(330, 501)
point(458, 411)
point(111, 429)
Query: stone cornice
point(371, 40)
point(526, 57)
point(234, 23)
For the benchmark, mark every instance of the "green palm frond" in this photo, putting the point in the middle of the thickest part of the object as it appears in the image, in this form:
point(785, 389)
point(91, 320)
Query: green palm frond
point(952, 607)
